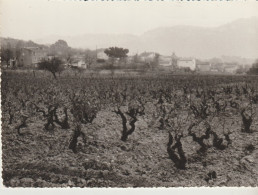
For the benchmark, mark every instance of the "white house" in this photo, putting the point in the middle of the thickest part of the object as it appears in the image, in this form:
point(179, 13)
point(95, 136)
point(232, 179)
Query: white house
point(147, 56)
point(186, 63)
point(102, 56)
point(80, 63)
point(203, 66)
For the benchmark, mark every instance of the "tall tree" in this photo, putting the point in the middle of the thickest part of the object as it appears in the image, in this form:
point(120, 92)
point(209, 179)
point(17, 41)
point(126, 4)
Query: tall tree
point(18, 49)
point(6, 55)
point(61, 49)
point(116, 52)
point(254, 68)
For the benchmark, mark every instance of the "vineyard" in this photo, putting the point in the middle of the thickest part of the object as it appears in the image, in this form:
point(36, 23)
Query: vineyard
point(129, 131)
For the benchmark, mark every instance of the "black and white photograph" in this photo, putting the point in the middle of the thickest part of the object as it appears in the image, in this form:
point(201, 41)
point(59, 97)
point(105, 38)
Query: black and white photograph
point(129, 94)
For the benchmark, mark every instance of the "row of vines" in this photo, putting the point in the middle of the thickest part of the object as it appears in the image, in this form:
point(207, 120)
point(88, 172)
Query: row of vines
point(200, 108)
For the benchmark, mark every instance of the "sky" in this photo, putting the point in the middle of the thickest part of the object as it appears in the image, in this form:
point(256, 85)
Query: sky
point(34, 19)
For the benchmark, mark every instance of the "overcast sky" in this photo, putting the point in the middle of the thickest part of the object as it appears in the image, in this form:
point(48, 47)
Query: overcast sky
point(32, 19)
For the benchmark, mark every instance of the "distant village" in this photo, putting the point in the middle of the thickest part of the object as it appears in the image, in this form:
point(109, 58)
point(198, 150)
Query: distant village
point(20, 54)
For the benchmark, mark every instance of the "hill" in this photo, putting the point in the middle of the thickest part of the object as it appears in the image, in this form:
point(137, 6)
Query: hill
point(238, 38)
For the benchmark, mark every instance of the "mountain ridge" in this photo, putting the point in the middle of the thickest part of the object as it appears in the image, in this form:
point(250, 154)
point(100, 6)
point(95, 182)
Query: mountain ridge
point(237, 38)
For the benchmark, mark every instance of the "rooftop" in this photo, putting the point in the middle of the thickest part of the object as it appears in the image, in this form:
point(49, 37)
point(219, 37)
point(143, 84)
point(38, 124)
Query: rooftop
point(186, 59)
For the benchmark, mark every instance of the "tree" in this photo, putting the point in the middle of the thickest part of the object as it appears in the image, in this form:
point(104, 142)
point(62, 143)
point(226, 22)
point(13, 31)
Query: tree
point(6, 55)
point(18, 50)
point(61, 43)
point(116, 52)
point(254, 68)
point(174, 59)
point(240, 70)
point(54, 65)
point(60, 48)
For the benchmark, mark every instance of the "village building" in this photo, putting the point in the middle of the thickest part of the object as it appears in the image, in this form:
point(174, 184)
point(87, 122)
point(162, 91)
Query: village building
point(131, 59)
point(79, 63)
point(165, 61)
point(230, 68)
point(102, 56)
point(11, 63)
point(186, 63)
point(218, 67)
point(31, 56)
point(147, 57)
point(203, 66)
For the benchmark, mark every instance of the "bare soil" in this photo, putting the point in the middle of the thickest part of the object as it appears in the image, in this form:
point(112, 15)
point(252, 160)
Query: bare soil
point(42, 159)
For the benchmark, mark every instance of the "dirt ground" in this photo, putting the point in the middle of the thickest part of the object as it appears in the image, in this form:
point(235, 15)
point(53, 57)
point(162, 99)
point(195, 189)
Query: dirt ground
point(42, 159)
